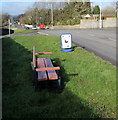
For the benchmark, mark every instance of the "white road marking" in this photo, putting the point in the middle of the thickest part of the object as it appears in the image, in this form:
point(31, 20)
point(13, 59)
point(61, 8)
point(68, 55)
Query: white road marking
point(112, 39)
point(42, 33)
point(3, 37)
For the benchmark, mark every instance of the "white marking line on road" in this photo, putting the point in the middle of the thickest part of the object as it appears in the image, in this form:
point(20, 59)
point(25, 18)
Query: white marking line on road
point(42, 33)
point(112, 39)
point(3, 37)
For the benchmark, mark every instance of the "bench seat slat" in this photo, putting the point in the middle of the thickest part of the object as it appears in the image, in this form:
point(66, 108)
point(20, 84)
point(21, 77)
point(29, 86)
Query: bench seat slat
point(41, 74)
point(52, 75)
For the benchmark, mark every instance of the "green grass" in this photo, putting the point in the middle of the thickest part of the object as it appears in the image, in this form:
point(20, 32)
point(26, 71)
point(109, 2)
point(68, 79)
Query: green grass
point(22, 31)
point(89, 82)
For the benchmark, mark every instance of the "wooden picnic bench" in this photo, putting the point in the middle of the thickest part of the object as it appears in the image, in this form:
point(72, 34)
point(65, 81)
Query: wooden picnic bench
point(43, 67)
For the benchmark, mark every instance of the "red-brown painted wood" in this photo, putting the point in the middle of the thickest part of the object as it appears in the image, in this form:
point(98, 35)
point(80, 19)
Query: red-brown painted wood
point(42, 75)
point(42, 53)
point(34, 58)
point(52, 75)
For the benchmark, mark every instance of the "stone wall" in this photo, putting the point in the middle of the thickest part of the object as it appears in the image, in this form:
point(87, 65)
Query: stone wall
point(109, 22)
point(89, 23)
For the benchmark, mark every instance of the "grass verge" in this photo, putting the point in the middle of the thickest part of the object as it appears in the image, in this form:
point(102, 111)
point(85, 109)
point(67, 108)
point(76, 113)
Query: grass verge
point(89, 82)
point(22, 31)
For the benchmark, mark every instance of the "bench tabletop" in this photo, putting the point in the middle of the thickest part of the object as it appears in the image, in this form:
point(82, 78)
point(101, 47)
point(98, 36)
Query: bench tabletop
point(52, 75)
point(42, 74)
point(46, 75)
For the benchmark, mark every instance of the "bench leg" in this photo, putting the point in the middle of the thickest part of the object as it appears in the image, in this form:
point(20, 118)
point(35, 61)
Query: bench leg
point(59, 82)
point(35, 81)
point(33, 77)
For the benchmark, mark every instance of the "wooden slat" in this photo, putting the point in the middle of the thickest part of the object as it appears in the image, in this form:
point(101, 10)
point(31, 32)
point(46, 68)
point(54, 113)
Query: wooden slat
point(52, 75)
point(42, 53)
point(47, 68)
point(34, 58)
point(32, 65)
point(42, 74)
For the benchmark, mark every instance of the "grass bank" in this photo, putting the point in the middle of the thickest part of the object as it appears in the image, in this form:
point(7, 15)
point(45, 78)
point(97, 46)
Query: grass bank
point(22, 31)
point(89, 82)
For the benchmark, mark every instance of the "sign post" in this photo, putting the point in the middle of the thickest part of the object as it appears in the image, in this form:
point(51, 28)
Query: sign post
point(66, 42)
point(9, 27)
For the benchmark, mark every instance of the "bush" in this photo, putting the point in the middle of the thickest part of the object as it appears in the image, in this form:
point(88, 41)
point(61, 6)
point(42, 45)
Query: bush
point(77, 20)
point(69, 22)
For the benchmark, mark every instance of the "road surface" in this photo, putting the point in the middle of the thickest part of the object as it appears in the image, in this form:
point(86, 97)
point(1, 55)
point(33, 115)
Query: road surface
point(101, 42)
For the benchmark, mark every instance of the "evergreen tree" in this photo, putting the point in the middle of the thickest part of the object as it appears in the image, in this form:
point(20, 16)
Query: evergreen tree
point(96, 10)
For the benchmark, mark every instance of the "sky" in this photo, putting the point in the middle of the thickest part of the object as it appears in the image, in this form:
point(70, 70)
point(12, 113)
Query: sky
point(16, 7)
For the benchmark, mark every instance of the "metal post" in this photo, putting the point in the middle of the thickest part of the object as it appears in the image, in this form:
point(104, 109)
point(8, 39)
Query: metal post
point(9, 27)
point(100, 15)
point(52, 14)
point(117, 9)
point(92, 7)
point(36, 16)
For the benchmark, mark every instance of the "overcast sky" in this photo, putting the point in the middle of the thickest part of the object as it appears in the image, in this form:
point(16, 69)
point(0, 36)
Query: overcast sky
point(16, 7)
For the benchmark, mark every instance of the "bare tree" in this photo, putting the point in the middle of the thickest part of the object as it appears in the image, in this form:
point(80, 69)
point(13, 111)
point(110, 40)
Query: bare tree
point(4, 19)
point(109, 10)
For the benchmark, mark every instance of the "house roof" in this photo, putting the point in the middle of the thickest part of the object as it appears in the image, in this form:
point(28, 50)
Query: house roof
point(87, 15)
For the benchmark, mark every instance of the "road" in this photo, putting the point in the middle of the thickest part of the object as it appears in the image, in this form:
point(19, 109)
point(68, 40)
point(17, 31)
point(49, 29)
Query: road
point(102, 42)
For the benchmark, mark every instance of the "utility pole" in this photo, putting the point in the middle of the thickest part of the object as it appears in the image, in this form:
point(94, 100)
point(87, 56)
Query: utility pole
point(92, 7)
point(9, 27)
point(37, 17)
point(100, 15)
point(52, 14)
point(117, 9)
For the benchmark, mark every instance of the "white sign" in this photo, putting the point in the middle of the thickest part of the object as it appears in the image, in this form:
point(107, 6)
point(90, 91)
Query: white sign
point(66, 40)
